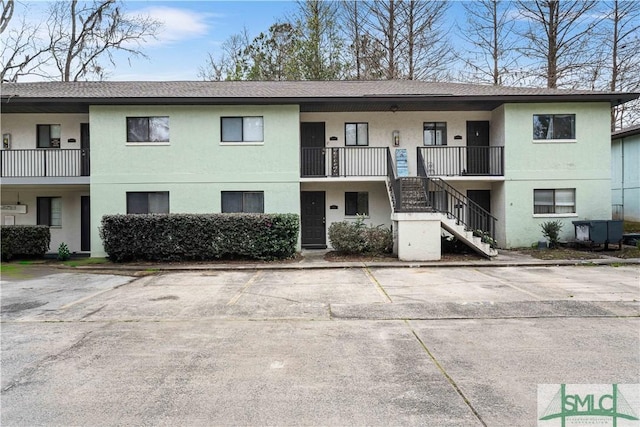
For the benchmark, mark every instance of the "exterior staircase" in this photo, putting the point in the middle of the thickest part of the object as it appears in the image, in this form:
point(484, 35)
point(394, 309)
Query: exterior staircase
point(460, 216)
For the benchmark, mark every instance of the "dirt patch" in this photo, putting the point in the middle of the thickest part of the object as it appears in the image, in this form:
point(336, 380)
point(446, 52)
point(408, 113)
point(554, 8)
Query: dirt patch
point(446, 257)
point(581, 254)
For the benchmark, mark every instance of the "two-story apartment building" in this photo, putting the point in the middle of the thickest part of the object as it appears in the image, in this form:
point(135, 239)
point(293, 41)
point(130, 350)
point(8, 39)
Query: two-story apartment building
point(421, 157)
point(625, 173)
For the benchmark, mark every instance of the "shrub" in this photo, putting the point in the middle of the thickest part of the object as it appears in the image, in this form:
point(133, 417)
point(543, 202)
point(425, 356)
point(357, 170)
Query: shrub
point(356, 238)
point(194, 237)
point(551, 230)
point(63, 252)
point(26, 240)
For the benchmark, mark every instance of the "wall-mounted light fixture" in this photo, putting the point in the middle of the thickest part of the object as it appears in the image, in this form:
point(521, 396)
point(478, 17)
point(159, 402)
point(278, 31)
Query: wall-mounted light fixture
point(333, 138)
point(457, 137)
point(396, 137)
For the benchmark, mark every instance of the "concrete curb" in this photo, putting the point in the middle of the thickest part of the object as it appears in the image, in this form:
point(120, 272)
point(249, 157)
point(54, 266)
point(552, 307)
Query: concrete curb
point(319, 265)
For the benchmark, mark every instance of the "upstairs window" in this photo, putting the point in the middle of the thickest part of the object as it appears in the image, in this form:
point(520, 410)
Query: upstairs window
point(242, 129)
point(148, 129)
point(356, 203)
point(139, 202)
point(554, 126)
point(49, 211)
point(48, 136)
point(435, 133)
point(554, 201)
point(243, 201)
point(356, 134)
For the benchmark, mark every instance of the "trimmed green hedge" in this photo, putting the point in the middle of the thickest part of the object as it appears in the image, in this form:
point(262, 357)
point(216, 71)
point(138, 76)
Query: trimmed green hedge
point(199, 237)
point(25, 240)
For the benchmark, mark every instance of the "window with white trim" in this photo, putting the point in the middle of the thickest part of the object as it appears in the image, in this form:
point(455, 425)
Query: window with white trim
point(148, 129)
point(554, 201)
point(147, 202)
point(554, 126)
point(243, 201)
point(356, 134)
point(242, 129)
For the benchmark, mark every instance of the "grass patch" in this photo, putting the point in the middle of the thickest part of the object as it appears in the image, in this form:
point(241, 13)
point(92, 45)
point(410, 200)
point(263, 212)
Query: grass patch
point(78, 262)
point(560, 254)
point(14, 270)
point(631, 227)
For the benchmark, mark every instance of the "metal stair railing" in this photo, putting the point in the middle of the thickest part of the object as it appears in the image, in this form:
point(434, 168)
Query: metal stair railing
point(446, 199)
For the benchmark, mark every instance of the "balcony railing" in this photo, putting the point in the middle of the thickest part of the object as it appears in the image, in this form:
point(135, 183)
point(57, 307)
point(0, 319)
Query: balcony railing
point(343, 161)
point(46, 162)
point(463, 161)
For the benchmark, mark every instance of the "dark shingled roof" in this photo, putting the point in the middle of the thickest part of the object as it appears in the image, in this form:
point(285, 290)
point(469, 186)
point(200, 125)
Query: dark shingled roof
point(403, 95)
point(629, 131)
point(273, 89)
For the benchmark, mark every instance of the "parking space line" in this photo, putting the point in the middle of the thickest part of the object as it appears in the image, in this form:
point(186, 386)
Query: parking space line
point(446, 375)
point(242, 291)
point(377, 284)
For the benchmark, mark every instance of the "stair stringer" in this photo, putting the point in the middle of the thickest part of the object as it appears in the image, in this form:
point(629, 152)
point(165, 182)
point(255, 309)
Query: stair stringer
point(466, 236)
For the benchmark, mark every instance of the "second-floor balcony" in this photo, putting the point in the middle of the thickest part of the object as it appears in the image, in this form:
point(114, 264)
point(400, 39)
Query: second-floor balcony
point(343, 162)
point(462, 161)
point(44, 163)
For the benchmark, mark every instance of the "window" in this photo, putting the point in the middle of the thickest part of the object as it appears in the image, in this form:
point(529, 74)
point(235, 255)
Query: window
point(243, 201)
point(559, 201)
point(242, 129)
point(148, 202)
point(435, 133)
point(356, 203)
point(48, 136)
point(554, 126)
point(356, 134)
point(49, 211)
point(148, 129)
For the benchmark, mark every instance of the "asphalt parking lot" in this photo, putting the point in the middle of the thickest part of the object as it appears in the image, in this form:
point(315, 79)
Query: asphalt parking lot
point(459, 346)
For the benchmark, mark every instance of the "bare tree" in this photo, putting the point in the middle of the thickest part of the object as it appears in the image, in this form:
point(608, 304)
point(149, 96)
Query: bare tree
point(320, 46)
point(364, 54)
point(490, 33)
point(22, 52)
point(86, 33)
point(621, 36)
point(558, 36)
point(231, 62)
point(383, 24)
point(427, 53)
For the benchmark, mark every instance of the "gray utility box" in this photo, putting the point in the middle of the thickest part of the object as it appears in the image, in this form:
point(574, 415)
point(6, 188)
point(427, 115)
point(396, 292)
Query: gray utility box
point(598, 232)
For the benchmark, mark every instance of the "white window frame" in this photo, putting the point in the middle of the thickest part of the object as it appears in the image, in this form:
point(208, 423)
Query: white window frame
point(246, 121)
point(151, 140)
point(149, 193)
point(556, 204)
point(243, 194)
point(554, 140)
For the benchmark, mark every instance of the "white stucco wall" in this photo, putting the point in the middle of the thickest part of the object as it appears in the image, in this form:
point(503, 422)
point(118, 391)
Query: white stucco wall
point(23, 128)
point(69, 231)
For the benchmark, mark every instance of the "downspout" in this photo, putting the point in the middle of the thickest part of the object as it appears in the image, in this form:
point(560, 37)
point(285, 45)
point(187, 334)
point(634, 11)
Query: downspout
point(622, 172)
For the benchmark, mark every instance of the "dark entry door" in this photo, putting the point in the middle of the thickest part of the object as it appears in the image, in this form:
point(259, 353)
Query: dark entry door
point(312, 137)
point(85, 223)
point(477, 148)
point(84, 149)
point(313, 219)
point(476, 219)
